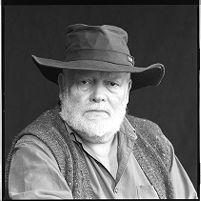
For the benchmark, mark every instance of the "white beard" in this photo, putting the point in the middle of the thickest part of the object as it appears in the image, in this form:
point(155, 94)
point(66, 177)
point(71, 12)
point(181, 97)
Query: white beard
point(92, 131)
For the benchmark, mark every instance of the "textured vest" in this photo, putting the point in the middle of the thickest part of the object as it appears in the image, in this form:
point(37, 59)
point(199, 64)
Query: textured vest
point(151, 149)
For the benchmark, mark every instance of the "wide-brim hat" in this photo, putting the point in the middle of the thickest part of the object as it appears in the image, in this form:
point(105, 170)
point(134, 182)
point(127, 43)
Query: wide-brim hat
point(100, 48)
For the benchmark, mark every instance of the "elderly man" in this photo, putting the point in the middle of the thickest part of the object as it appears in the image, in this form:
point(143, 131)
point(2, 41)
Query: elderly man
point(87, 146)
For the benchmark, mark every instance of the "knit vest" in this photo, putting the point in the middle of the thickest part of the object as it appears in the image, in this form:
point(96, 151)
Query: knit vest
point(151, 149)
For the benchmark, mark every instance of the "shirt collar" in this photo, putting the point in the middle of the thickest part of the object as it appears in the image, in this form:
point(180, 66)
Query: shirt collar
point(128, 129)
point(73, 134)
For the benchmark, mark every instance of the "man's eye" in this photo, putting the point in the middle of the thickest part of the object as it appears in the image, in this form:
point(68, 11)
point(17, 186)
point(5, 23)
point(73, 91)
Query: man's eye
point(113, 84)
point(84, 82)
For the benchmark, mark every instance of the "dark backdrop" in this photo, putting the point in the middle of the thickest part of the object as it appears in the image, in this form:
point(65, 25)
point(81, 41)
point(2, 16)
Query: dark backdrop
point(165, 34)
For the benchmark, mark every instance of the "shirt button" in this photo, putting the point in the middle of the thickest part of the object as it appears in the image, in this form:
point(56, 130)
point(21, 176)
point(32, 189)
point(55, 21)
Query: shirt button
point(116, 190)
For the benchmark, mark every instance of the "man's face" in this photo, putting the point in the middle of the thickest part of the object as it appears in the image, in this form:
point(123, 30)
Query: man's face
point(94, 103)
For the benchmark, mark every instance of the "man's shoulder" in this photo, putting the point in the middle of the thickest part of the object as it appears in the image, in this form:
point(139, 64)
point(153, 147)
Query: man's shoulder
point(46, 127)
point(142, 122)
point(44, 121)
point(152, 136)
point(148, 129)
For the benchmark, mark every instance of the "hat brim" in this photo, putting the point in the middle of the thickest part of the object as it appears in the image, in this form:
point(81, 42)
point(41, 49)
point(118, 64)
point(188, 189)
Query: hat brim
point(141, 76)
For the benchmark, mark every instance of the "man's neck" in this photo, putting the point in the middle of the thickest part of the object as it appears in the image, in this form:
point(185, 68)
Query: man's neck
point(101, 149)
point(105, 153)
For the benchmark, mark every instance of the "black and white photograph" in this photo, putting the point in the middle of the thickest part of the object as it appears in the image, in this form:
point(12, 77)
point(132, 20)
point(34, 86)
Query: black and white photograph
point(100, 101)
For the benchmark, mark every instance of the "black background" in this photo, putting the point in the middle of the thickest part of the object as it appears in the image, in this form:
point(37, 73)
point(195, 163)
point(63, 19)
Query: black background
point(165, 34)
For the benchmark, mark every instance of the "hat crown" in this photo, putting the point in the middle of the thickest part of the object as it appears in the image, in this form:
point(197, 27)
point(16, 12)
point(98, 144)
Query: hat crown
point(88, 37)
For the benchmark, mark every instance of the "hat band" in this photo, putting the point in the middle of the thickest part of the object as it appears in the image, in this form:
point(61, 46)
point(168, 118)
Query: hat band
point(100, 55)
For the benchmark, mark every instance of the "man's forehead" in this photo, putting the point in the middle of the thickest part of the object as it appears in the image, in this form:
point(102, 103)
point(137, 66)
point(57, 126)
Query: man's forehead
point(99, 74)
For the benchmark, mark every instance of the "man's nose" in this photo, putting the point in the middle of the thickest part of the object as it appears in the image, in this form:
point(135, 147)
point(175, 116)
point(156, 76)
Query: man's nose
point(99, 94)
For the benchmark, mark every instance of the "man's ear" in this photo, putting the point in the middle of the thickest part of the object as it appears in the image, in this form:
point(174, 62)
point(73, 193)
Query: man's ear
point(130, 85)
point(61, 82)
point(129, 88)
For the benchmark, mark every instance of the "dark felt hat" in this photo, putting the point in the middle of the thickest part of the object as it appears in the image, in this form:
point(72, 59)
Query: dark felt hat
point(100, 48)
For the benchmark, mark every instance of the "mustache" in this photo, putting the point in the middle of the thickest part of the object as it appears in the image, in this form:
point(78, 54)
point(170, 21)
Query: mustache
point(99, 108)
